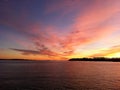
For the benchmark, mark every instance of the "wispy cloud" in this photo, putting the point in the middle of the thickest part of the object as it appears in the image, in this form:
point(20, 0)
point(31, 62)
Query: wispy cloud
point(26, 52)
point(94, 23)
point(92, 20)
point(110, 51)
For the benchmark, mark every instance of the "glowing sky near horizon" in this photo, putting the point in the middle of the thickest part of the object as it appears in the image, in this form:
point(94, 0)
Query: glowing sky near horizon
point(59, 29)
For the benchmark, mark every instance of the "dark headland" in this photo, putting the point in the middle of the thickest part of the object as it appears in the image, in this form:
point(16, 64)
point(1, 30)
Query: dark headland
point(96, 59)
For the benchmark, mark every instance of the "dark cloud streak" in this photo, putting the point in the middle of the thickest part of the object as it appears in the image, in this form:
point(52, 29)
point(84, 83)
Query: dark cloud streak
point(27, 52)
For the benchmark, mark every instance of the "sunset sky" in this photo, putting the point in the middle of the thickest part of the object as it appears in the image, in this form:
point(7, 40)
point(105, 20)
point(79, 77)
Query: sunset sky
point(59, 29)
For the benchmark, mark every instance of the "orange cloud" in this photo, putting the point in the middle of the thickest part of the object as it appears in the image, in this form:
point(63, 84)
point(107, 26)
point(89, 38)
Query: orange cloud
point(89, 24)
point(110, 51)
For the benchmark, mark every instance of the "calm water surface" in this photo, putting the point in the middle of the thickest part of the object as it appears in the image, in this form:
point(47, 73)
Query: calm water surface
point(59, 75)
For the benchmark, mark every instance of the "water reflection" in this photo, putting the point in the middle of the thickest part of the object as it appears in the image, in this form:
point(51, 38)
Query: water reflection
point(60, 75)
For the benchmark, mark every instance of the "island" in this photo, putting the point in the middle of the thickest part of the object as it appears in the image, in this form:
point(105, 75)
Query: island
point(96, 59)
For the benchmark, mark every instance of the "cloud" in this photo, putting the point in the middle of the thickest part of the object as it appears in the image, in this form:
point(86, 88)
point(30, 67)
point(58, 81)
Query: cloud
point(43, 52)
point(27, 52)
point(65, 6)
point(92, 21)
point(104, 53)
point(95, 23)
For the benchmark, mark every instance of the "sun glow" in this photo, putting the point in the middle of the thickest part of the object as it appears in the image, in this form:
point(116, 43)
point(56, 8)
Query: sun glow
point(117, 55)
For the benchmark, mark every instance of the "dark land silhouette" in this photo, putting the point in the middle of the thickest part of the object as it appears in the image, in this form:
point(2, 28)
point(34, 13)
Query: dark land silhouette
point(96, 59)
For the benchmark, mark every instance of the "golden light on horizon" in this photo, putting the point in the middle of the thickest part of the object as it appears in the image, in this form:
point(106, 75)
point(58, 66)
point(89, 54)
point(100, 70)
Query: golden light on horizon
point(116, 55)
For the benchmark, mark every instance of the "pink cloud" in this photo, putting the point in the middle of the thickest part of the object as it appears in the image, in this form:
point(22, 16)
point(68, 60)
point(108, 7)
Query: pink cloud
point(91, 23)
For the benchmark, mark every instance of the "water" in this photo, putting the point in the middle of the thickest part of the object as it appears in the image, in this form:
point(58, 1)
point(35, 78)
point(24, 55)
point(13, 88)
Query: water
point(59, 75)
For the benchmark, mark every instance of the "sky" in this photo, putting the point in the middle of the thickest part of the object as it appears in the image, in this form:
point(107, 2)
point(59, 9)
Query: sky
point(59, 29)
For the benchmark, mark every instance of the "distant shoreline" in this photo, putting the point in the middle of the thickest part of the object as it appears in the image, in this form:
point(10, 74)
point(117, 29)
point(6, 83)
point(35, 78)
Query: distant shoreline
point(19, 59)
point(29, 60)
point(99, 59)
